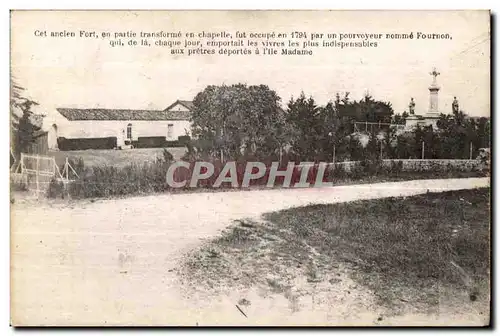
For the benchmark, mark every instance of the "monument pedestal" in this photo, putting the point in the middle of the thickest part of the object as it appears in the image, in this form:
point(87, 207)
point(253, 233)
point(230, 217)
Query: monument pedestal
point(411, 121)
point(431, 119)
point(432, 116)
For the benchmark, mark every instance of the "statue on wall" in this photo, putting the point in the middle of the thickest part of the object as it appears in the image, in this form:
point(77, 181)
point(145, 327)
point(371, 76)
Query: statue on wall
point(455, 105)
point(411, 106)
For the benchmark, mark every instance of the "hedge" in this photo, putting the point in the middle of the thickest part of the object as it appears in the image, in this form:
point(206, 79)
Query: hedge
point(86, 143)
point(150, 142)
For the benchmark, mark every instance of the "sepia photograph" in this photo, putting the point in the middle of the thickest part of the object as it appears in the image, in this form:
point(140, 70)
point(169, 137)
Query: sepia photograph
point(201, 168)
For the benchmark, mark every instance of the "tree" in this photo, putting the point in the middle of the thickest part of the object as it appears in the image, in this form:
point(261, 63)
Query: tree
point(22, 129)
point(457, 133)
point(238, 118)
point(400, 118)
point(307, 127)
point(367, 109)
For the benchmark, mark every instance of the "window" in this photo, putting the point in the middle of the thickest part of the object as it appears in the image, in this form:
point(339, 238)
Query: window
point(129, 131)
point(170, 131)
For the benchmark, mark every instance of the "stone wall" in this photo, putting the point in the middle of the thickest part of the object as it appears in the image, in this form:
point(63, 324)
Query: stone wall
point(423, 165)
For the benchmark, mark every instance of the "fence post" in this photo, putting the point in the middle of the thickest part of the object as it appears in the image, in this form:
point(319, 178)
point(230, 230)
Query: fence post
point(470, 150)
point(423, 150)
point(37, 180)
point(66, 170)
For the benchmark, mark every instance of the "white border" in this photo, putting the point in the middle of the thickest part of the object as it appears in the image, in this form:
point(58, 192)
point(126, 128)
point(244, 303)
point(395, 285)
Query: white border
point(148, 4)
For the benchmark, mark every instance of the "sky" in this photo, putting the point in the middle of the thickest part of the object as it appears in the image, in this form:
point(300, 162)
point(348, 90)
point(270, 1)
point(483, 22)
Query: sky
point(89, 73)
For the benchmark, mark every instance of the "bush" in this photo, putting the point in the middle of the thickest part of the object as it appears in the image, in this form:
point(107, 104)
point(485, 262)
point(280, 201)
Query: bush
point(56, 189)
point(160, 141)
point(18, 182)
point(393, 168)
point(184, 140)
point(372, 167)
point(77, 164)
point(338, 171)
point(167, 156)
point(150, 142)
point(107, 181)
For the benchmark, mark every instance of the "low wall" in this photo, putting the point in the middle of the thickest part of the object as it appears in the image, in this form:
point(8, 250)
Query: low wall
point(436, 165)
point(411, 165)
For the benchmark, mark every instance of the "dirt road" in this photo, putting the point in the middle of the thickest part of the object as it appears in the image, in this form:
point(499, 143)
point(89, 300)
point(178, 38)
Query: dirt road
point(111, 261)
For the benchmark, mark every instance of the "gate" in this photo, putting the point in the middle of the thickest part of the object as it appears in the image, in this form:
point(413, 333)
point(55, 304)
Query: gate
point(36, 171)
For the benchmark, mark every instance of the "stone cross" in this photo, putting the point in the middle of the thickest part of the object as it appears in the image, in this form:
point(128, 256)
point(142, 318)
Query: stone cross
point(434, 73)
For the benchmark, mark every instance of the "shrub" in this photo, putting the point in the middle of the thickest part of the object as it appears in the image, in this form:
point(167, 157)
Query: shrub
point(106, 181)
point(86, 143)
point(150, 142)
point(77, 164)
point(367, 167)
point(357, 171)
point(56, 189)
point(167, 156)
point(184, 140)
point(190, 154)
point(339, 171)
point(393, 168)
point(18, 182)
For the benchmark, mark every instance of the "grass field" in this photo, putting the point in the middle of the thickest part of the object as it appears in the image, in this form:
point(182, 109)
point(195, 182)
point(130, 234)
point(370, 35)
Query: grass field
point(414, 250)
point(117, 158)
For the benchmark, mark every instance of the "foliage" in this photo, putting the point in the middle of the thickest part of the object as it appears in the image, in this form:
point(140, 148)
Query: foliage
point(77, 164)
point(400, 118)
point(167, 156)
point(109, 181)
point(367, 109)
point(112, 181)
point(306, 127)
point(22, 136)
point(458, 133)
point(238, 118)
point(56, 189)
point(65, 144)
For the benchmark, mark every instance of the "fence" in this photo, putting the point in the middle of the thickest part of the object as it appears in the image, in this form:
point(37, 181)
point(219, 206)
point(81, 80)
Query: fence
point(370, 127)
point(37, 171)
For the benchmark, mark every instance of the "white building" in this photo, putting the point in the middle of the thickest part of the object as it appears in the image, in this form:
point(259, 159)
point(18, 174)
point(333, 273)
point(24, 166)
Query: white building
point(172, 122)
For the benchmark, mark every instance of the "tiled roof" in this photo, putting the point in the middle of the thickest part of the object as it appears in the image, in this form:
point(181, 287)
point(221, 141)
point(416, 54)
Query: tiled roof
point(112, 114)
point(186, 103)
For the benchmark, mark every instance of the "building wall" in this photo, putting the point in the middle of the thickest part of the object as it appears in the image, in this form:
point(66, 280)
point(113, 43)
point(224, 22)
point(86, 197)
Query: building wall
point(39, 145)
point(52, 135)
point(113, 128)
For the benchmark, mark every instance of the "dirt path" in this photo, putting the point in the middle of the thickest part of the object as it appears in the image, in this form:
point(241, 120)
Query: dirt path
point(112, 261)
